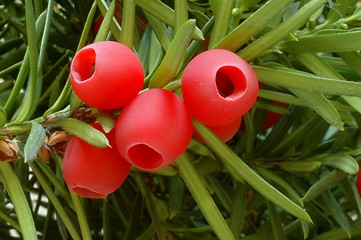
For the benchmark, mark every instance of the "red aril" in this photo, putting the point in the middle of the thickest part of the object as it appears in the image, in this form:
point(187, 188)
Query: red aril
point(141, 23)
point(106, 75)
point(272, 117)
point(154, 129)
point(225, 133)
point(218, 87)
point(91, 171)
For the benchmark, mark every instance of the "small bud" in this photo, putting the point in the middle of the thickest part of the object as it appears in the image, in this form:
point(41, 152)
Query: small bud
point(44, 153)
point(55, 143)
point(58, 137)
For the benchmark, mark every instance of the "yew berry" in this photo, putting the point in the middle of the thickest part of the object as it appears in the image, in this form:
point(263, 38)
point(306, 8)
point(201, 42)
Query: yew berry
point(218, 87)
point(141, 23)
point(100, 18)
point(106, 75)
point(91, 171)
point(154, 129)
point(272, 117)
point(225, 132)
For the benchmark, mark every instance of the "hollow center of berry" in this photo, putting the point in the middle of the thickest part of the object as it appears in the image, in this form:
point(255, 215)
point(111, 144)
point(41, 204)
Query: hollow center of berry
point(230, 81)
point(224, 85)
point(84, 64)
point(145, 157)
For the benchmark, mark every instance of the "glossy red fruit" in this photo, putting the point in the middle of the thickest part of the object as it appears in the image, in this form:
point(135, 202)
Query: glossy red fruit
point(106, 75)
point(99, 20)
point(272, 118)
point(154, 129)
point(140, 22)
point(94, 172)
point(225, 133)
point(219, 87)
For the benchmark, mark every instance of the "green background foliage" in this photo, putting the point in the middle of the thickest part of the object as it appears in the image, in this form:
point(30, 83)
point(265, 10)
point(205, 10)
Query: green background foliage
point(295, 180)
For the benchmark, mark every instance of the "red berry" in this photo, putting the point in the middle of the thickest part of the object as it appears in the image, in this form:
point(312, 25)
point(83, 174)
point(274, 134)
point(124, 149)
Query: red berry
point(225, 133)
point(106, 75)
point(91, 171)
point(99, 20)
point(272, 117)
point(97, 23)
point(154, 129)
point(218, 87)
point(141, 23)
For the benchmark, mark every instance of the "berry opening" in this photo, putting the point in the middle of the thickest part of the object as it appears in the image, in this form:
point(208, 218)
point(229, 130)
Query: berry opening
point(230, 82)
point(85, 192)
point(145, 157)
point(84, 65)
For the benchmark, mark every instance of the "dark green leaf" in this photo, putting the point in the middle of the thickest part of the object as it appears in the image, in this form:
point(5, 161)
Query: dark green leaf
point(204, 200)
point(337, 212)
point(323, 184)
point(275, 220)
point(83, 131)
point(342, 162)
point(18, 198)
point(3, 117)
point(279, 33)
point(336, 41)
point(320, 104)
point(252, 25)
point(340, 9)
point(176, 191)
point(238, 167)
point(174, 56)
point(301, 80)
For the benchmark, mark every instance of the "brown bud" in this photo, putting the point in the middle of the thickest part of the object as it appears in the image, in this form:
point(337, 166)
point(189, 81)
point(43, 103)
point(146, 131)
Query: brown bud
point(253, 215)
point(58, 137)
point(9, 150)
point(58, 141)
point(250, 195)
point(44, 153)
point(84, 114)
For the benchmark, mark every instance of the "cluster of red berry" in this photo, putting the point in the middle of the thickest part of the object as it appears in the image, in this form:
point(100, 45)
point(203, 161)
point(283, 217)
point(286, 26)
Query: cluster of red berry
point(154, 127)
